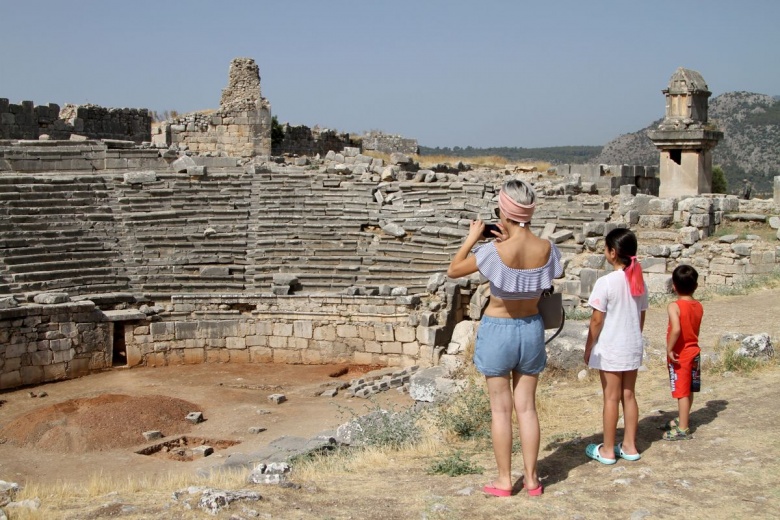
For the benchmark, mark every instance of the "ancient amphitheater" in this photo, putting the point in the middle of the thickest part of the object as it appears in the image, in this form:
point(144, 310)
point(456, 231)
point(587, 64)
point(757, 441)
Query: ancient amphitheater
point(121, 247)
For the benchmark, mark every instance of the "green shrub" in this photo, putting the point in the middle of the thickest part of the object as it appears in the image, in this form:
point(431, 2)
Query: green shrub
point(729, 361)
point(454, 465)
point(386, 428)
point(466, 414)
point(719, 182)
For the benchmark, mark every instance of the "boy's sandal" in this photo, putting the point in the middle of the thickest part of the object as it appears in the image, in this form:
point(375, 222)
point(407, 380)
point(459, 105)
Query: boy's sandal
point(677, 434)
point(674, 423)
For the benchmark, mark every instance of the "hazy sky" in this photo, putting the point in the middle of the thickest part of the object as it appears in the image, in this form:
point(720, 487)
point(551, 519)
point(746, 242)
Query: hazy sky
point(449, 73)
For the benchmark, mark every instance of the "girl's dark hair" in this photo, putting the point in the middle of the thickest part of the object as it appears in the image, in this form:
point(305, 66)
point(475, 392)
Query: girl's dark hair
point(623, 242)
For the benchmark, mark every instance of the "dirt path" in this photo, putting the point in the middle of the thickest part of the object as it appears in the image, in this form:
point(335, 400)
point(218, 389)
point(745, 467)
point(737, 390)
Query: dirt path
point(729, 470)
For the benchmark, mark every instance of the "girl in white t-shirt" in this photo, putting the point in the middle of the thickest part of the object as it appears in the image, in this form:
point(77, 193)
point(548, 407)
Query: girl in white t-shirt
point(614, 344)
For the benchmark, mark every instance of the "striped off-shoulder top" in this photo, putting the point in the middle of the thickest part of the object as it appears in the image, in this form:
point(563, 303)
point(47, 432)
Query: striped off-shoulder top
point(516, 284)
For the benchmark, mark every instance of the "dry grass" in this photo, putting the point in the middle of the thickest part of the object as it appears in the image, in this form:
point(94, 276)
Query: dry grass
point(390, 484)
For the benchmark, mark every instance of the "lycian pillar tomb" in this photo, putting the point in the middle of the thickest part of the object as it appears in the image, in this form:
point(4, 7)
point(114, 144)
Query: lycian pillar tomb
point(685, 137)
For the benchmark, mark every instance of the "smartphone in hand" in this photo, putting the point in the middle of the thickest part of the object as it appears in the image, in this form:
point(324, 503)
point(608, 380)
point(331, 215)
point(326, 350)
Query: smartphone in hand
point(487, 232)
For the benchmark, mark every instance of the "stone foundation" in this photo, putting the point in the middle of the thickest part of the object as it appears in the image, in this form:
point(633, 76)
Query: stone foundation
point(40, 343)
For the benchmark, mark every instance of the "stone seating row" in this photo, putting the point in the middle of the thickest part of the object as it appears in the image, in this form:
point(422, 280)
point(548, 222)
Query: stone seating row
point(56, 235)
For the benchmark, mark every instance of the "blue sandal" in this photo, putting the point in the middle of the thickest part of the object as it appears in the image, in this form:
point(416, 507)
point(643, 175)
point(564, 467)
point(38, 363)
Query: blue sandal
point(592, 451)
point(625, 456)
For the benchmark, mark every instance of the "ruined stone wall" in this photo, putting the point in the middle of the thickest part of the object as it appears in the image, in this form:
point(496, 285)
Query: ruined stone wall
point(96, 122)
point(302, 140)
point(222, 134)
point(27, 121)
point(385, 143)
point(240, 128)
point(609, 178)
point(40, 343)
point(314, 329)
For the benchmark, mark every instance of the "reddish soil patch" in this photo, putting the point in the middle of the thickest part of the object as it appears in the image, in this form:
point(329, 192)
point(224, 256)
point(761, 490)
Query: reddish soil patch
point(94, 424)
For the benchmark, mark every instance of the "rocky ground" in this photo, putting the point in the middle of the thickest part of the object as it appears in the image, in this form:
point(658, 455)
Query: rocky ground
point(726, 471)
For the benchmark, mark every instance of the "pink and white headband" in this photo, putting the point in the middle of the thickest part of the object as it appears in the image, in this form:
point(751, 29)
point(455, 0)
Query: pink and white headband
point(521, 213)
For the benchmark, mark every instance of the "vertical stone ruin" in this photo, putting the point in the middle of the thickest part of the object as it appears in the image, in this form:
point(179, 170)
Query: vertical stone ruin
point(685, 137)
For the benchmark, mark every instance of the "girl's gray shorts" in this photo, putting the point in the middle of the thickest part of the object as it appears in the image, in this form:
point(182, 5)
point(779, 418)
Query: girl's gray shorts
point(505, 345)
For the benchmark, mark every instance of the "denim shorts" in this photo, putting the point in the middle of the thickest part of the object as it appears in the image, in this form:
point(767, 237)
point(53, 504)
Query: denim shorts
point(507, 345)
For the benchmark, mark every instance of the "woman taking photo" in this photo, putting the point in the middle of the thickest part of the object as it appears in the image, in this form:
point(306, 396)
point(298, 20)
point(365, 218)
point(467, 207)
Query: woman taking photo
point(509, 349)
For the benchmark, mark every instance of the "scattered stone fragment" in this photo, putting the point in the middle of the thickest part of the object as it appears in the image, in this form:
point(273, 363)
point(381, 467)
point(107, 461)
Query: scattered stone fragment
point(277, 398)
point(330, 392)
point(194, 417)
point(202, 451)
point(256, 429)
point(152, 435)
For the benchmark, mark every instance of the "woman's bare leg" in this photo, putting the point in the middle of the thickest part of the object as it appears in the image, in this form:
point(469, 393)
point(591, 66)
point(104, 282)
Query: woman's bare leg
point(500, 394)
point(528, 424)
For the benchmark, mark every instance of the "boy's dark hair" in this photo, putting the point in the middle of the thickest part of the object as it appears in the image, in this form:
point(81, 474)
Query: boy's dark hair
point(685, 279)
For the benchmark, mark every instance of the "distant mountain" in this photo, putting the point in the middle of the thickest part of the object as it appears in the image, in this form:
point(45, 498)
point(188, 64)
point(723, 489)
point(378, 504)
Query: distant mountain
point(750, 148)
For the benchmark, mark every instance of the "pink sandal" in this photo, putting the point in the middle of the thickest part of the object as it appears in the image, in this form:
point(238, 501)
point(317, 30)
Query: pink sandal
point(537, 491)
point(496, 492)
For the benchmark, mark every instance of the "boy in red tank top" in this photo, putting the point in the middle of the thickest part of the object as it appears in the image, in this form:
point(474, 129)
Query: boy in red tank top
point(682, 349)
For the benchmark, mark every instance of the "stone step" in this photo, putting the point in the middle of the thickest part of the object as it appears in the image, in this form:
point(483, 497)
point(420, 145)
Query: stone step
point(75, 285)
point(74, 211)
point(57, 256)
point(168, 287)
point(62, 274)
point(61, 265)
point(306, 268)
point(46, 241)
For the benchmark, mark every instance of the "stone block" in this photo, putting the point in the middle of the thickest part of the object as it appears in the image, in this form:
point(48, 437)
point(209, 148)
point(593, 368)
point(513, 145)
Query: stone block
point(194, 417)
point(182, 164)
point(52, 298)
point(140, 177)
point(152, 435)
point(742, 248)
point(277, 398)
point(426, 335)
point(695, 205)
point(654, 265)
point(700, 220)
point(689, 235)
point(662, 206)
point(561, 236)
point(655, 221)
point(202, 451)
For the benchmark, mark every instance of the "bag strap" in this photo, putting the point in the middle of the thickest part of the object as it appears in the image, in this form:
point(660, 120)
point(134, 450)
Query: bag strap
point(548, 292)
point(563, 320)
